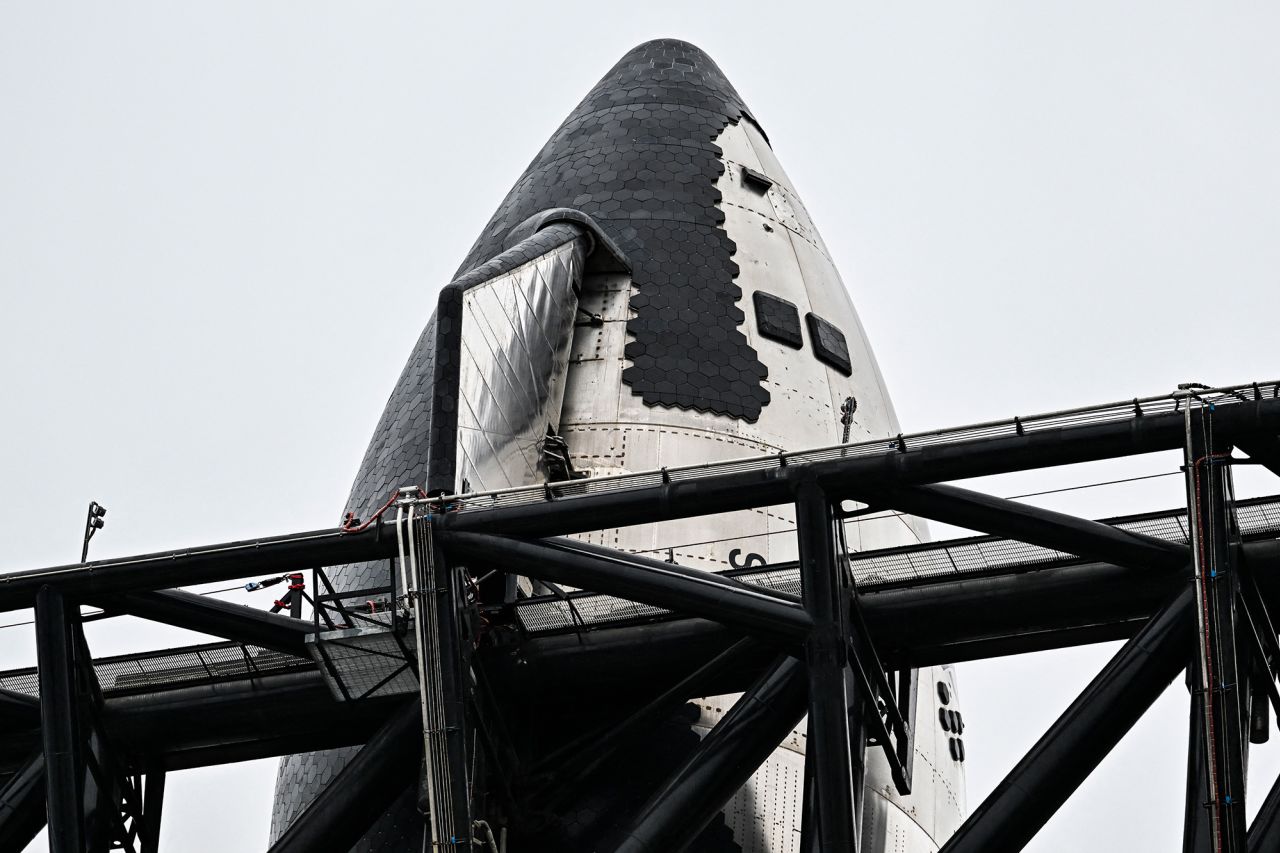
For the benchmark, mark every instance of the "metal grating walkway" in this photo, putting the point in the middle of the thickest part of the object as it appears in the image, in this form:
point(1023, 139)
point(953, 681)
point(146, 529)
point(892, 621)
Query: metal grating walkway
point(172, 668)
point(1259, 518)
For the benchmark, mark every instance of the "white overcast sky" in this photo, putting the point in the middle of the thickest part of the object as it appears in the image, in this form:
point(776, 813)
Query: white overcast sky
point(222, 226)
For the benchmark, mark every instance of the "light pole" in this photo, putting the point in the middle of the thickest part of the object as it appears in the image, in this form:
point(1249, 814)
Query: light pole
point(92, 524)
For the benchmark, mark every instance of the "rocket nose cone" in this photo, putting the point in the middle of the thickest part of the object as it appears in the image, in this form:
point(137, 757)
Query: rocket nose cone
point(664, 71)
point(639, 156)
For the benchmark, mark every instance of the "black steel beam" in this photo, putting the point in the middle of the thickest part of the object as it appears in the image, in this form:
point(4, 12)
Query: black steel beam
point(18, 711)
point(1085, 733)
point(59, 723)
point(714, 493)
point(22, 805)
point(1263, 449)
point(628, 664)
point(238, 721)
point(808, 810)
point(948, 619)
point(1264, 832)
point(1224, 674)
point(941, 618)
point(1260, 634)
point(1091, 540)
point(211, 616)
point(190, 566)
point(105, 788)
point(935, 621)
point(859, 711)
point(723, 762)
point(152, 811)
point(879, 715)
point(841, 476)
point(689, 591)
point(826, 598)
point(1197, 832)
point(442, 579)
point(339, 816)
point(213, 724)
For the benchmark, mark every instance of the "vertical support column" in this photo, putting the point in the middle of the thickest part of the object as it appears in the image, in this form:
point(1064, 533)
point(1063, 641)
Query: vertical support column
point(1222, 680)
point(832, 697)
point(1197, 832)
point(447, 586)
point(808, 808)
point(297, 583)
point(152, 809)
point(908, 695)
point(857, 708)
point(59, 723)
point(435, 590)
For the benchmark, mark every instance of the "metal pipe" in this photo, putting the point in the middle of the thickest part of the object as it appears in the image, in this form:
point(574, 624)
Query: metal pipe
point(1043, 422)
point(841, 476)
point(1216, 583)
point(1197, 834)
point(59, 728)
point(933, 621)
point(211, 616)
point(1262, 560)
point(1092, 540)
point(947, 619)
point(293, 552)
point(436, 596)
point(211, 724)
point(1263, 449)
point(1085, 733)
point(1204, 768)
point(722, 763)
point(808, 808)
point(636, 578)
point(629, 664)
point(339, 816)
point(826, 653)
point(936, 620)
point(234, 721)
point(152, 811)
point(422, 604)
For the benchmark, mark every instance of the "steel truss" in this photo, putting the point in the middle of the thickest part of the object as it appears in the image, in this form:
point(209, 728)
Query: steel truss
point(838, 652)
